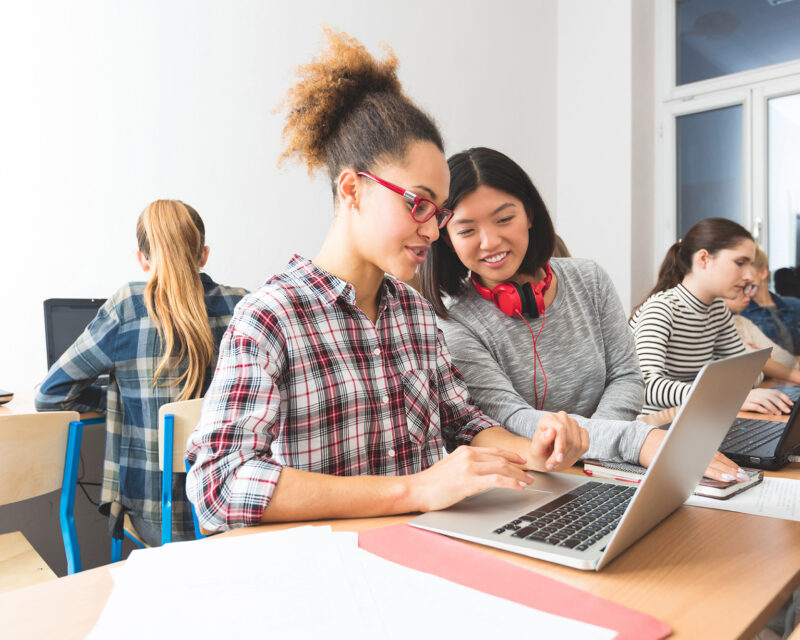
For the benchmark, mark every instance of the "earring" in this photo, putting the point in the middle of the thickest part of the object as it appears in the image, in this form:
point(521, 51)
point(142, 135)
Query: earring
point(353, 209)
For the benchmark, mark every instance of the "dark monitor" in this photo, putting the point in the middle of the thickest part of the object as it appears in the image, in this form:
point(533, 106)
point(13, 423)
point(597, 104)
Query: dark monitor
point(64, 320)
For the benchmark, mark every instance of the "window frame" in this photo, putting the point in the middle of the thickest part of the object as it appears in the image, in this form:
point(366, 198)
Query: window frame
point(751, 89)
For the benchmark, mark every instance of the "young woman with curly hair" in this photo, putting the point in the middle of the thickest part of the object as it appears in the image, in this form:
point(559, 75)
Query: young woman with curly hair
point(334, 392)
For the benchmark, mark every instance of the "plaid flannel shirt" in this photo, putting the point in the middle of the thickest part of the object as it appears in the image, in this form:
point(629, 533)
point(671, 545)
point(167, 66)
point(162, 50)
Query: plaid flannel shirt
point(306, 380)
point(123, 341)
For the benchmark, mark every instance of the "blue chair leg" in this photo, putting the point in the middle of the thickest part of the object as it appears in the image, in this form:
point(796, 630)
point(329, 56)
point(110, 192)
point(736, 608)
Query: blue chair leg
point(116, 549)
point(166, 480)
point(67, 503)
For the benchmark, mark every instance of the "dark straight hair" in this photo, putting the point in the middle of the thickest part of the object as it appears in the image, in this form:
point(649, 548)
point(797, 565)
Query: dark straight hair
point(711, 234)
point(443, 273)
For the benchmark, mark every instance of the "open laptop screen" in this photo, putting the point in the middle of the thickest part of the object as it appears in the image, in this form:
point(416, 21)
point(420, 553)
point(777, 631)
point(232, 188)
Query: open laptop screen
point(64, 320)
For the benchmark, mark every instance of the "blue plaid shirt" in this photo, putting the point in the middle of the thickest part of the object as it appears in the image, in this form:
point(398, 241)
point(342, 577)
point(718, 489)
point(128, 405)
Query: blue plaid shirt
point(123, 341)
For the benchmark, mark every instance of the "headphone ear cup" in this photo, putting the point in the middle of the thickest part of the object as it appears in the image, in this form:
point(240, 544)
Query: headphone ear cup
point(507, 297)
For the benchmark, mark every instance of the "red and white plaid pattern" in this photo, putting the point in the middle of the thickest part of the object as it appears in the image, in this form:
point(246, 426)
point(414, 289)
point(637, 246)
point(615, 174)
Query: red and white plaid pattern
point(305, 380)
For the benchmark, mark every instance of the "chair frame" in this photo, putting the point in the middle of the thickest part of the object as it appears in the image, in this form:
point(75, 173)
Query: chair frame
point(69, 480)
point(166, 457)
point(66, 509)
point(166, 483)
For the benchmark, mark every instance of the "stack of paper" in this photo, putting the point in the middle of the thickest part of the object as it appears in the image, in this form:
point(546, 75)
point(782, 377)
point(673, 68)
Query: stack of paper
point(300, 582)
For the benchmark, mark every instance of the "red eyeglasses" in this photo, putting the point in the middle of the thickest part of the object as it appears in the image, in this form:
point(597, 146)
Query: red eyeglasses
point(423, 209)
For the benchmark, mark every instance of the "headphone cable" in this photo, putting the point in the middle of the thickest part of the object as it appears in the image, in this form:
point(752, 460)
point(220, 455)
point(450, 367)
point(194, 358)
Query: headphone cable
point(535, 358)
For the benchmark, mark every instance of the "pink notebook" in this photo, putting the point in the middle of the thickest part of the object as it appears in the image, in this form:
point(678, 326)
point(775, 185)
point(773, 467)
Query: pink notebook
point(455, 561)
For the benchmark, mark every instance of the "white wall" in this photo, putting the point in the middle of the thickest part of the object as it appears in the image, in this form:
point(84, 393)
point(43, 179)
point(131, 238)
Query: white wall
point(108, 105)
point(642, 239)
point(594, 134)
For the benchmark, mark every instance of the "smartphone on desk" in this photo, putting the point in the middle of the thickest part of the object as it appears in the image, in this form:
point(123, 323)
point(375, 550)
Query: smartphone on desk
point(6, 396)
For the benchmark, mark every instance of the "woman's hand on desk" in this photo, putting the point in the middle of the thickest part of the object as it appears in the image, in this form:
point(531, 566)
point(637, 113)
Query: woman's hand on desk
point(720, 468)
point(769, 401)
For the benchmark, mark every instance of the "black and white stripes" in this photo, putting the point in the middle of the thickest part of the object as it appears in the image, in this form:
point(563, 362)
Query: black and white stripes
point(676, 334)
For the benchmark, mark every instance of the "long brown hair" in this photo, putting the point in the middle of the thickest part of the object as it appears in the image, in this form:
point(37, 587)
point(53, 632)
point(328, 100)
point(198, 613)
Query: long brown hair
point(171, 235)
point(711, 234)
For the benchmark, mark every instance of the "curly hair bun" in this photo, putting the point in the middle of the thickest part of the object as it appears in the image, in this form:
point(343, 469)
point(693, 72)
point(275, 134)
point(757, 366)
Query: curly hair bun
point(348, 108)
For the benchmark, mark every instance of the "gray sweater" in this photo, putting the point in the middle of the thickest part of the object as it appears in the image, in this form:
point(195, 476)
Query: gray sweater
point(586, 349)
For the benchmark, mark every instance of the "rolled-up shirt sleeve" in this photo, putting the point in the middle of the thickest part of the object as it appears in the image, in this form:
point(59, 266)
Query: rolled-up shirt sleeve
point(233, 475)
point(461, 420)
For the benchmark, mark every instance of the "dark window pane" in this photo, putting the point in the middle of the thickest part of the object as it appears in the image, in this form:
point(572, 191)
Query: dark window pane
point(709, 166)
point(718, 37)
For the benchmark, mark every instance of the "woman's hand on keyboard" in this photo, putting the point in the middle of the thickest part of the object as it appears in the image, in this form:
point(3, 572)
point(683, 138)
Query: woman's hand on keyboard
point(769, 401)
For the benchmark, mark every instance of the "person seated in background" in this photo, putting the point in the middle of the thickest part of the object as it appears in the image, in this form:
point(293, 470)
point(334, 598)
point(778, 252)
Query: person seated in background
point(782, 364)
point(786, 282)
point(778, 317)
point(158, 342)
point(684, 323)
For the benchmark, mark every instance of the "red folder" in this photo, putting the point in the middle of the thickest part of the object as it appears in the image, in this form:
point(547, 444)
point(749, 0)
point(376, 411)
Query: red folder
point(452, 560)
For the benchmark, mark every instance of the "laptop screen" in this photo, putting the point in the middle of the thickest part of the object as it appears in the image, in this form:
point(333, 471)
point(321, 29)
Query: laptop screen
point(64, 320)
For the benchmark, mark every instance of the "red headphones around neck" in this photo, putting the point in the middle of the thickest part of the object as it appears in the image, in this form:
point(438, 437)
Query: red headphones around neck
point(514, 299)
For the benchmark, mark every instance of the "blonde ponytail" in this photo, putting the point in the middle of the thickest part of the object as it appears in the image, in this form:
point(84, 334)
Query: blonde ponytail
point(172, 237)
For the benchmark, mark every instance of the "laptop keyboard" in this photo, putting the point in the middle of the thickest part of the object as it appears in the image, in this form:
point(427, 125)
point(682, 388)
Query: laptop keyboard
point(575, 520)
point(747, 435)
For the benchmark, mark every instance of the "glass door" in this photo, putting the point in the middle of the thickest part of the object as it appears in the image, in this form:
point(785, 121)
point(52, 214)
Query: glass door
point(783, 179)
point(710, 173)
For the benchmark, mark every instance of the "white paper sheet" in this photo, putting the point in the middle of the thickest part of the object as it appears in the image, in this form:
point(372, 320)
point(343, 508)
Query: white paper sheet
point(300, 583)
point(773, 497)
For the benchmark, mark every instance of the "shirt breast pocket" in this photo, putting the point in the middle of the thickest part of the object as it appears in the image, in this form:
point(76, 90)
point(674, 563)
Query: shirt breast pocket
point(421, 397)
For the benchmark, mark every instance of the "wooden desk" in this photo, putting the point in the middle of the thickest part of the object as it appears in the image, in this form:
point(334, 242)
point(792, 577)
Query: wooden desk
point(23, 402)
point(707, 573)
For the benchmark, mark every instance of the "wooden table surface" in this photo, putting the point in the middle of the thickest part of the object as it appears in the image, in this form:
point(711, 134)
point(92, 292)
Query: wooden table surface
point(23, 402)
point(707, 573)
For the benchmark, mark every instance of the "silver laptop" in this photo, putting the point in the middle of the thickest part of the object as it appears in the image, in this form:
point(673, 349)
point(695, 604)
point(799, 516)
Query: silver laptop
point(586, 523)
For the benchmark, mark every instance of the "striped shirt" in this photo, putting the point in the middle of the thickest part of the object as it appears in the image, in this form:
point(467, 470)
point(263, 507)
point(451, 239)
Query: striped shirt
point(676, 334)
point(306, 380)
point(123, 341)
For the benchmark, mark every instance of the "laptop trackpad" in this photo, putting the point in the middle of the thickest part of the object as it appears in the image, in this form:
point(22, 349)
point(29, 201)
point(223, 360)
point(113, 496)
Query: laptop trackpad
point(549, 487)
